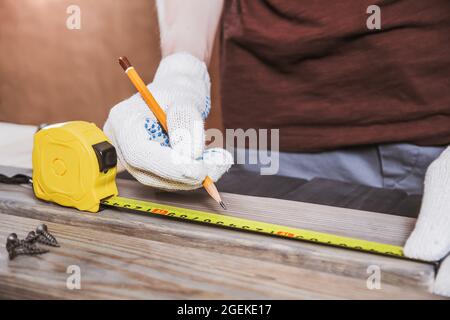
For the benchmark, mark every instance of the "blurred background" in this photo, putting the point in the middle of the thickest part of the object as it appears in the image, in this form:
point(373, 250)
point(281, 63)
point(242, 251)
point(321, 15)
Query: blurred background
point(49, 73)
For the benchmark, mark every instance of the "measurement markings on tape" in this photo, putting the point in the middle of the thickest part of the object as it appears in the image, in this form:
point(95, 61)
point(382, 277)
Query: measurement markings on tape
point(254, 226)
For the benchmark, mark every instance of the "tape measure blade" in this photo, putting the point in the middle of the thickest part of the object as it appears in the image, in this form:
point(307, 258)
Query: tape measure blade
point(254, 226)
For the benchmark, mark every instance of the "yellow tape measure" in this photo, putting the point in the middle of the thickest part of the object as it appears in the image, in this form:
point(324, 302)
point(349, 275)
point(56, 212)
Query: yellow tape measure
point(74, 165)
point(253, 226)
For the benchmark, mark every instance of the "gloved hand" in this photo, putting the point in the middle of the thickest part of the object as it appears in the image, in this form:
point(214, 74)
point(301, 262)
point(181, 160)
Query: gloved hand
point(430, 239)
point(178, 161)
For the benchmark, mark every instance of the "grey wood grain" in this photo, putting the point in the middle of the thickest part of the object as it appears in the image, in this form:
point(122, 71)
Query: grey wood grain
point(270, 265)
point(366, 225)
point(116, 266)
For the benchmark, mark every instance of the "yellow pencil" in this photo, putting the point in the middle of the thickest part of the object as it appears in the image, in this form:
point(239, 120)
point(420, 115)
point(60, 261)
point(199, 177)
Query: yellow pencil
point(208, 184)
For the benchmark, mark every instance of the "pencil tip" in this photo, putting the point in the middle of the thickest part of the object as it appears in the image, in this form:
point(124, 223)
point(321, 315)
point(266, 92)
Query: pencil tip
point(223, 205)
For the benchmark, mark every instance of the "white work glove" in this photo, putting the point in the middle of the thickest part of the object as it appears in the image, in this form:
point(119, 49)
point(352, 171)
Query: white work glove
point(430, 240)
point(178, 162)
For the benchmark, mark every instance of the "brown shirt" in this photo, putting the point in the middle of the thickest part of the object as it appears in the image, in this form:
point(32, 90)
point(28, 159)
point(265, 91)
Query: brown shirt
point(315, 71)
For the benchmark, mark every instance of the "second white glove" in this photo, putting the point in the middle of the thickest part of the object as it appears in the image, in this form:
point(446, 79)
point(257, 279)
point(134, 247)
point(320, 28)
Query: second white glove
point(430, 239)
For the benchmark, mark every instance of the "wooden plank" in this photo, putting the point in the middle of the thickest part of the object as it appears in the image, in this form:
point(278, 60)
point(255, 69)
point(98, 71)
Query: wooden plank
point(117, 267)
point(354, 223)
point(320, 191)
point(307, 267)
point(360, 224)
point(370, 226)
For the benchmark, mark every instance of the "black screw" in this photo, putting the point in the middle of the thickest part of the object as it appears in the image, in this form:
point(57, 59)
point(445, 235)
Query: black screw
point(12, 242)
point(29, 250)
point(44, 237)
point(16, 247)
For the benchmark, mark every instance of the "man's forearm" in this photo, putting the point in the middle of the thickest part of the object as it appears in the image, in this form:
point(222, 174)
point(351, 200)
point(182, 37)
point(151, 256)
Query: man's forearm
point(189, 26)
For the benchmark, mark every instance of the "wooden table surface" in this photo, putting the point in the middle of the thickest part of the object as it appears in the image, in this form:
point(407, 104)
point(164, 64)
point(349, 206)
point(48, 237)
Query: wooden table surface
point(125, 255)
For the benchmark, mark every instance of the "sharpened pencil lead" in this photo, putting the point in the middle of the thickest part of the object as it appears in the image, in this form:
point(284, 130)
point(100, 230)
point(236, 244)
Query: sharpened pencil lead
point(223, 205)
